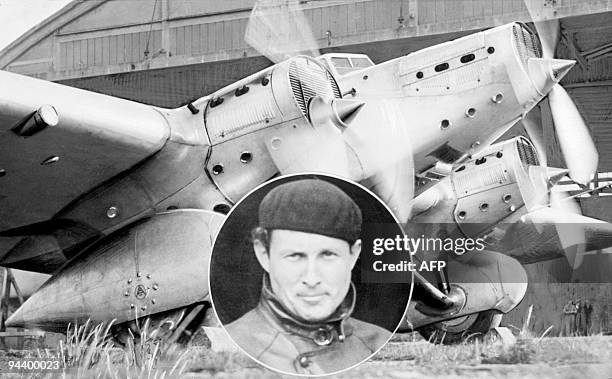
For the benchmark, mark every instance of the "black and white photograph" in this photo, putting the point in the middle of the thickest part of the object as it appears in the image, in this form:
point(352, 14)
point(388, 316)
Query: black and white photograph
point(285, 280)
point(139, 138)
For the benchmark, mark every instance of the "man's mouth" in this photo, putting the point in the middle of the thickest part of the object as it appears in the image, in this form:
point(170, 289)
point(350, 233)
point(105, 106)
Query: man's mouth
point(312, 298)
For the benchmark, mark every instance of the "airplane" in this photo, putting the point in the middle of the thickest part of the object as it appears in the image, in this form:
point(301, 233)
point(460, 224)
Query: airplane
point(121, 201)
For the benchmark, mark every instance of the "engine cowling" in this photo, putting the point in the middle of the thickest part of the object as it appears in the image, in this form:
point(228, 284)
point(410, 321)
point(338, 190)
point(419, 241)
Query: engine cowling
point(157, 265)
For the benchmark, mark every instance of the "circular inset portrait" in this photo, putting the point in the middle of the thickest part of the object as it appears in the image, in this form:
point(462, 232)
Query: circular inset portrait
point(286, 278)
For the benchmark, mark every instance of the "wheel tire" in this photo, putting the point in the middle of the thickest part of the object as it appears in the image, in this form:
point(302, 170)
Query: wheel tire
point(457, 330)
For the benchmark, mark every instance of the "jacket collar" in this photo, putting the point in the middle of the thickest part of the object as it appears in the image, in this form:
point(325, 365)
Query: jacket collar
point(321, 333)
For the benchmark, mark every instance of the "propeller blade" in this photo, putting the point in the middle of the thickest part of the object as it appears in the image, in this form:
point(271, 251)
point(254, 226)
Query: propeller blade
point(280, 30)
point(532, 122)
point(381, 141)
point(574, 137)
point(571, 235)
point(549, 32)
point(546, 24)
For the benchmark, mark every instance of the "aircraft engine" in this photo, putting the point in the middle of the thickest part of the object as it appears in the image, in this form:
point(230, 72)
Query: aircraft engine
point(488, 191)
point(159, 264)
point(246, 120)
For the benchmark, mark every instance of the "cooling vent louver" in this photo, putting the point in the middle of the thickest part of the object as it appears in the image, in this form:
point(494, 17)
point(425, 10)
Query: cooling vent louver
point(527, 153)
point(526, 42)
point(308, 80)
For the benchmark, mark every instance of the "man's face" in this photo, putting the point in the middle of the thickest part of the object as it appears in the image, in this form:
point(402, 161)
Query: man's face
point(309, 273)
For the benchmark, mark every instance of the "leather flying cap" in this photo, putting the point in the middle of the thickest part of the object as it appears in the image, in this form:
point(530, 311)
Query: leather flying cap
point(311, 206)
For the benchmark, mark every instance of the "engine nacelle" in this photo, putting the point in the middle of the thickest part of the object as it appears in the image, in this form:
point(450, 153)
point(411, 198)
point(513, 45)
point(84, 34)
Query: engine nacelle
point(486, 191)
point(154, 266)
point(243, 120)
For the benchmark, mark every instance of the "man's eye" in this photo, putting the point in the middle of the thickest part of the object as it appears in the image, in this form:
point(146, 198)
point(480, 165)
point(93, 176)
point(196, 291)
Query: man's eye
point(328, 254)
point(294, 256)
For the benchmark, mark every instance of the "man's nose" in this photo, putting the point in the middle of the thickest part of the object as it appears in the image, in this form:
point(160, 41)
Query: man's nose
point(311, 276)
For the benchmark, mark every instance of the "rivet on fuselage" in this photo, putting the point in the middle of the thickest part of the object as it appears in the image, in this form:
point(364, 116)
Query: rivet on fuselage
point(129, 281)
point(506, 198)
point(153, 301)
point(126, 294)
point(132, 306)
point(112, 212)
point(475, 144)
point(471, 112)
point(2, 172)
point(155, 287)
point(139, 274)
point(512, 208)
point(217, 169)
point(246, 157)
point(484, 207)
point(462, 215)
point(143, 308)
point(444, 124)
point(497, 99)
point(276, 143)
point(148, 276)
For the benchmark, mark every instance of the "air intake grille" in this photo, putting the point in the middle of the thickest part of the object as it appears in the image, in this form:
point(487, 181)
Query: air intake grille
point(526, 43)
point(527, 153)
point(308, 79)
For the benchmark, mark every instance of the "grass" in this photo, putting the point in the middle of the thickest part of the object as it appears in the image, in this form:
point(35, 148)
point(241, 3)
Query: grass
point(478, 350)
point(88, 351)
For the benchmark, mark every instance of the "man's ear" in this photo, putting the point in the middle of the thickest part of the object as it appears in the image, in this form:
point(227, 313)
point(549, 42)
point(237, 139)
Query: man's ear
point(262, 255)
point(355, 251)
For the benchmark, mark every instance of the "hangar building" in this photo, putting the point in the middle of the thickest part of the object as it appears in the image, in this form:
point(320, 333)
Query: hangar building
point(168, 52)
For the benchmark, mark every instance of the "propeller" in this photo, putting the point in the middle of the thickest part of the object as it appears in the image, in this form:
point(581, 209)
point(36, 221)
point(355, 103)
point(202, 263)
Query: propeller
point(572, 132)
point(279, 30)
point(366, 142)
point(547, 205)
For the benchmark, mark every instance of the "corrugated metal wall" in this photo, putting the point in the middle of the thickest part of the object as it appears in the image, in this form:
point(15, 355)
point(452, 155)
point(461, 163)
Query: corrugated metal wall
point(108, 50)
point(202, 33)
point(595, 104)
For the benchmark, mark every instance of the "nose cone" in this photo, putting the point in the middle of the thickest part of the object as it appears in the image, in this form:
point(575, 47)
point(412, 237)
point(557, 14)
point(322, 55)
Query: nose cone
point(39, 312)
point(339, 112)
point(560, 67)
point(545, 73)
point(346, 110)
point(555, 174)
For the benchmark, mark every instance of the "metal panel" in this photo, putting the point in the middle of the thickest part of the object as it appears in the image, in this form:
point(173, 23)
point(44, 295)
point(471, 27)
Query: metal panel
point(98, 51)
point(84, 53)
point(195, 39)
point(106, 50)
point(69, 56)
point(180, 41)
point(220, 36)
point(211, 32)
point(91, 52)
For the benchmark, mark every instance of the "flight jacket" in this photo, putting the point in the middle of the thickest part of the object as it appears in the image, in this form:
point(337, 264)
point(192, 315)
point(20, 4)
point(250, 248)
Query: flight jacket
point(276, 338)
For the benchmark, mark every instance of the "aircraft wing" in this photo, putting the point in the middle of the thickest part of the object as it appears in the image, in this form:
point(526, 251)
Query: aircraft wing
point(58, 142)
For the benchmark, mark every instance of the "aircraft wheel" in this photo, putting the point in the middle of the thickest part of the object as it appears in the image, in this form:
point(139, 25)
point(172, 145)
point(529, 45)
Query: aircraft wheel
point(459, 329)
